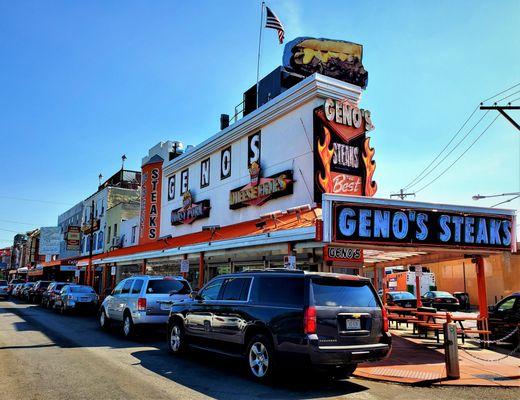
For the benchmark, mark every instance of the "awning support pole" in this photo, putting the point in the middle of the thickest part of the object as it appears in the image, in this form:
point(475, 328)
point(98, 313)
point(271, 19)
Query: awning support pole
point(418, 289)
point(201, 269)
point(376, 279)
point(481, 286)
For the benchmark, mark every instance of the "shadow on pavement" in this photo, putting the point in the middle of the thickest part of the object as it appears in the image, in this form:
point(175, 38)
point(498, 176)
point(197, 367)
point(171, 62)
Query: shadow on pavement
point(212, 375)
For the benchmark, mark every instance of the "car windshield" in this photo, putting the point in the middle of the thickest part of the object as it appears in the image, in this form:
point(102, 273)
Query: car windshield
point(343, 293)
point(166, 286)
point(3, 283)
point(81, 289)
point(443, 295)
point(402, 296)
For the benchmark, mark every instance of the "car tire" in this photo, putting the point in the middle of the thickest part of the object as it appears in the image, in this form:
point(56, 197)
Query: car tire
point(128, 326)
point(104, 321)
point(260, 358)
point(177, 343)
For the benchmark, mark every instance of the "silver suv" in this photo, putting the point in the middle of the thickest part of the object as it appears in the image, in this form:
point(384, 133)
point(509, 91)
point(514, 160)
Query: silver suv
point(142, 300)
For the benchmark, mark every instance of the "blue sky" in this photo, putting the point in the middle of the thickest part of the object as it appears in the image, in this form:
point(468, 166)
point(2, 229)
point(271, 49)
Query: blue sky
point(83, 82)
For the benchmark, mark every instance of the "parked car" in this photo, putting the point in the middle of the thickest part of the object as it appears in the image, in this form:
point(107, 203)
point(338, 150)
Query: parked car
point(51, 292)
point(142, 300)
point(13, 283)
point(401, 299)
point(4, 289)
point(330, 321)
point(504, 317)
point(77, 298)
point(35, 293)
point(440, 300)
point(24, 291)
point(17, 290)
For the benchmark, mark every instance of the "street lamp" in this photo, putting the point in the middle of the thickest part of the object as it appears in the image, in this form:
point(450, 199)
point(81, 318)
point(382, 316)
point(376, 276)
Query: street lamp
point(514, 194)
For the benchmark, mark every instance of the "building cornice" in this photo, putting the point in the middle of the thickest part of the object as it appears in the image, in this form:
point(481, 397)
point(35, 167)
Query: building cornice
point(313, 86)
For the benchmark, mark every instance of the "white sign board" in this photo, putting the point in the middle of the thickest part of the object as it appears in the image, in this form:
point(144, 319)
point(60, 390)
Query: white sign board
point(113, 271)
point(50, 238)
point(185, 266)
point(290, 262)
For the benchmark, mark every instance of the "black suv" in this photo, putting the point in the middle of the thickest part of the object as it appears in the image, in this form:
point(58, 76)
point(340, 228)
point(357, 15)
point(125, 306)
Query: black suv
point(270, 317)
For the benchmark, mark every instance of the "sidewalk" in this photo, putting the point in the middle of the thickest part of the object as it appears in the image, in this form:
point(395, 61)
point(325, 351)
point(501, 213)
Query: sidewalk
point(420, 362)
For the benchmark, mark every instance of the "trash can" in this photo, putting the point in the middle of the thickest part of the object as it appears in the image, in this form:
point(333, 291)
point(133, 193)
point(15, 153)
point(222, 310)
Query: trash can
point(463, 299)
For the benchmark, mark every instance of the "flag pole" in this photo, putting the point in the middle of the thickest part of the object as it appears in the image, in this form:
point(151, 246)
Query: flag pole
point(259, 49)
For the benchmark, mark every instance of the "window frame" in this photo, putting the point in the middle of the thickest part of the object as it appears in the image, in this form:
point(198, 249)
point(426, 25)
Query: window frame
point(131, 280)
point(133, 285)
point(219, 294)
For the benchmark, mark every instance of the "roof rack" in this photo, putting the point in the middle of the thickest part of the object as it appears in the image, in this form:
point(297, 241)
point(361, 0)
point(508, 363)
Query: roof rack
point(281, 270)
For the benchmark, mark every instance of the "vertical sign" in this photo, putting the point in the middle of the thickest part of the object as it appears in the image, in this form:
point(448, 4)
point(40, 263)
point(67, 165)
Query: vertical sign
point(151, 182)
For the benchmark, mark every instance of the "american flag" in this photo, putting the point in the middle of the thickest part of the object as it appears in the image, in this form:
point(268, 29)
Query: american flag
point(273, 22)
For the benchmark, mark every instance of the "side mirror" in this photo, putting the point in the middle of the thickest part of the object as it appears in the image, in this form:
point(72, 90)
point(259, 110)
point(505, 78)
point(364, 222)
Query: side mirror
point(195, 295)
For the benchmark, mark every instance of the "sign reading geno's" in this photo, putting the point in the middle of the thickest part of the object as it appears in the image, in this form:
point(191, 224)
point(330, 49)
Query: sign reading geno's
point(355, 223)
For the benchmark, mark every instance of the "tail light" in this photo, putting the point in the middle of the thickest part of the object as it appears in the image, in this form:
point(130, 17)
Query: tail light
point(386, 324)
point(141, 304)
point(309, 320)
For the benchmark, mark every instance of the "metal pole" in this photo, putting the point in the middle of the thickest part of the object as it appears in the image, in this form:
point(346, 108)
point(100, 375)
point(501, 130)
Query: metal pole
point(259, 50)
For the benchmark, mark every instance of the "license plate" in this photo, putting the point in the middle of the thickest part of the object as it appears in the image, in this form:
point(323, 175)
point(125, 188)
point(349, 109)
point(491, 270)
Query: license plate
point(165, 306)
point(353, 324)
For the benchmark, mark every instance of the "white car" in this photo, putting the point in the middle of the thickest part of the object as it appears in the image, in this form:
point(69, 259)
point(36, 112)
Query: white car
point(142, 300)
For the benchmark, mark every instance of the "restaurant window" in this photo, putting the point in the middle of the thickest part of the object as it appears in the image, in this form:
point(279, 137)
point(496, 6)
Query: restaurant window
point(115, 230)
point(134, 231)
point(100, 240)
point(95, 241)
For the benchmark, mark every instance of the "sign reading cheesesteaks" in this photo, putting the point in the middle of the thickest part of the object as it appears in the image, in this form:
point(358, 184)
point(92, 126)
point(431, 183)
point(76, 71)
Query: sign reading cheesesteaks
point(261, 190)
point(343, 158)
point(353, 223)
point(335, 58)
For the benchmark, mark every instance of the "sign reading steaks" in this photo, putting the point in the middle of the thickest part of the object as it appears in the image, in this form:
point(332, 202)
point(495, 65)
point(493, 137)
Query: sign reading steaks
point(353, 223)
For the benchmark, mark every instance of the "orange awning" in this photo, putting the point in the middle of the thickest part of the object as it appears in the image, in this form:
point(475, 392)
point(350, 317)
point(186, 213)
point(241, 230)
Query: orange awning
point(51, 263)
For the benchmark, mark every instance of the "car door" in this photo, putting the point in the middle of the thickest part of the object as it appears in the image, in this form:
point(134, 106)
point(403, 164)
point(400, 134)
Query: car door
point(121, 300)
point(200, 312)
point(505, 316)
point(230, 311)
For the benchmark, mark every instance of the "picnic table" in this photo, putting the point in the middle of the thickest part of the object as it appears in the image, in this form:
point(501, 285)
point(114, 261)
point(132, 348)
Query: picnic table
point(400, 315)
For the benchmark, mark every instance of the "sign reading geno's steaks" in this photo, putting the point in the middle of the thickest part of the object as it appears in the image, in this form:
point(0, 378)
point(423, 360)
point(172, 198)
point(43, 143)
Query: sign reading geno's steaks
point(354, 223)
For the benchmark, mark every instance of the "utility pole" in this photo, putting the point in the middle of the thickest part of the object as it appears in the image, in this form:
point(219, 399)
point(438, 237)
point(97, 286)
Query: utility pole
point(502, 110)
point(402, 195)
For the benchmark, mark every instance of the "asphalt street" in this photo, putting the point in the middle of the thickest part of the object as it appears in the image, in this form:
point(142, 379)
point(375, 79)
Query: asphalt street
point(44, 355)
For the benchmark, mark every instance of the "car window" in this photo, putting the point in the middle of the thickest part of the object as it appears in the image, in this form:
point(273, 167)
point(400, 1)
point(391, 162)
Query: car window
point(81, 289)
point(211, 290)
point(279, 290)
point(236, 289)
point(403, 296)
point(167, 286)
point(342, 293)
point(118, 288)
point(507, 305)
point(138, 285)
point(443, 295)
point(127, 286)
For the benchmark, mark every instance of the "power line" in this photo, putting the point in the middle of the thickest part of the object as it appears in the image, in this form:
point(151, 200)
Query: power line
point(34, 200)
point(16, 222)
point(502, 92)
point(506, 201)
point(509, 95)
point(458, 158)
point(8, 230)
point(451, 151)
point(444, 148)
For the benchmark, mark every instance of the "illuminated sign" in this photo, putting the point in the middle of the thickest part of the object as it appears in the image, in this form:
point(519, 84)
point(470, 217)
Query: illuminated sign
point(336, 253)
point(151, 189)
point(354, 223)
point(343, 158)
point(261, 190)
point(190, 210)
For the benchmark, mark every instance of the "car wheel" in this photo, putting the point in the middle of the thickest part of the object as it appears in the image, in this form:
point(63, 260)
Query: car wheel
point(260, 358)
point(128, 326)
point(176, 338)
point(104, 321)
